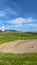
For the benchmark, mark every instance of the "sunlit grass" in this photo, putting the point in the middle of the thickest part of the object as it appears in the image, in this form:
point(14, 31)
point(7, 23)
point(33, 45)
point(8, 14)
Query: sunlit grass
point(18, 59)
point(11, 36)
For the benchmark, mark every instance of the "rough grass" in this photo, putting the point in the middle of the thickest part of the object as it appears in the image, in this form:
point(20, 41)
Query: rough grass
point(18, 59)
point(11, 36)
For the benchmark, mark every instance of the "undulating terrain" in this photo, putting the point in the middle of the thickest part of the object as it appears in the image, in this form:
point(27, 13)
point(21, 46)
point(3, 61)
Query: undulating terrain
point(18, 48)
point(12, 36)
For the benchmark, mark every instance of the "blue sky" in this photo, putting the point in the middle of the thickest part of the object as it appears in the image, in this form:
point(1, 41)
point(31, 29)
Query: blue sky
point(18, 14)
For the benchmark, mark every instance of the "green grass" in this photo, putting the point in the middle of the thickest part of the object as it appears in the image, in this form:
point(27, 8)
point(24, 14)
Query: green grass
point(11, 36)
point(18, 59)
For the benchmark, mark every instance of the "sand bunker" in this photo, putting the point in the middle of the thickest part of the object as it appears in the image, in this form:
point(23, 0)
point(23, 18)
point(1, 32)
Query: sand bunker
point(20, 46)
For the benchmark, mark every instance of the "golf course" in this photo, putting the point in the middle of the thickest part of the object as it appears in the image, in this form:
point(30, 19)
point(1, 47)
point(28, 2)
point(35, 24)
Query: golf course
point(18, 48)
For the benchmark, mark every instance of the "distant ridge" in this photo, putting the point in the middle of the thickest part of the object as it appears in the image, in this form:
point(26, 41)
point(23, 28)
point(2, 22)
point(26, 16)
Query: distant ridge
point(10, 30)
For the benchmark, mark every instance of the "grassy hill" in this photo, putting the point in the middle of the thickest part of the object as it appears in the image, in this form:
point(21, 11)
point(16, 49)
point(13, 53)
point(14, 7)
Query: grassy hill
point(17, 59)
point(11, 36)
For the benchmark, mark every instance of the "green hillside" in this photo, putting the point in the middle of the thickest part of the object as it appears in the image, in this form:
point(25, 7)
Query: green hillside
point(11, 36)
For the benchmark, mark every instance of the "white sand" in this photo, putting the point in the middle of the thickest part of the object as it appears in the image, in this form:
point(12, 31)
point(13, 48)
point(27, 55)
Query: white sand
point(20, 46)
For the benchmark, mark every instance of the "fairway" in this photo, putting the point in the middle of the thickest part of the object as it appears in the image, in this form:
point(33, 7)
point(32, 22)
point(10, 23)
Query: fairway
point(18, 59)
point(11, 36)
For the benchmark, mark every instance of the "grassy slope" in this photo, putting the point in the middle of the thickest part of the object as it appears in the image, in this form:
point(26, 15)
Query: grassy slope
point(20, 59)
point(10, 36)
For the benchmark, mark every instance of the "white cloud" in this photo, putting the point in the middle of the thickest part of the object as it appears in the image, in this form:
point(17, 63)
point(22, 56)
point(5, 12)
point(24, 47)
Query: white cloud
point(19, 21)
point(34, 25)
point(8, 12)
point(2, 13)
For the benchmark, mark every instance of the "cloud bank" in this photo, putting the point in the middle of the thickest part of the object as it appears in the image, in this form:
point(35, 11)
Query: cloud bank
point(22, 21)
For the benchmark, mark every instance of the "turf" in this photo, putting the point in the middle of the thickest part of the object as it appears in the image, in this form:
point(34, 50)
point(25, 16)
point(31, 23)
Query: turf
point(18, 59)
point(11, 36)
